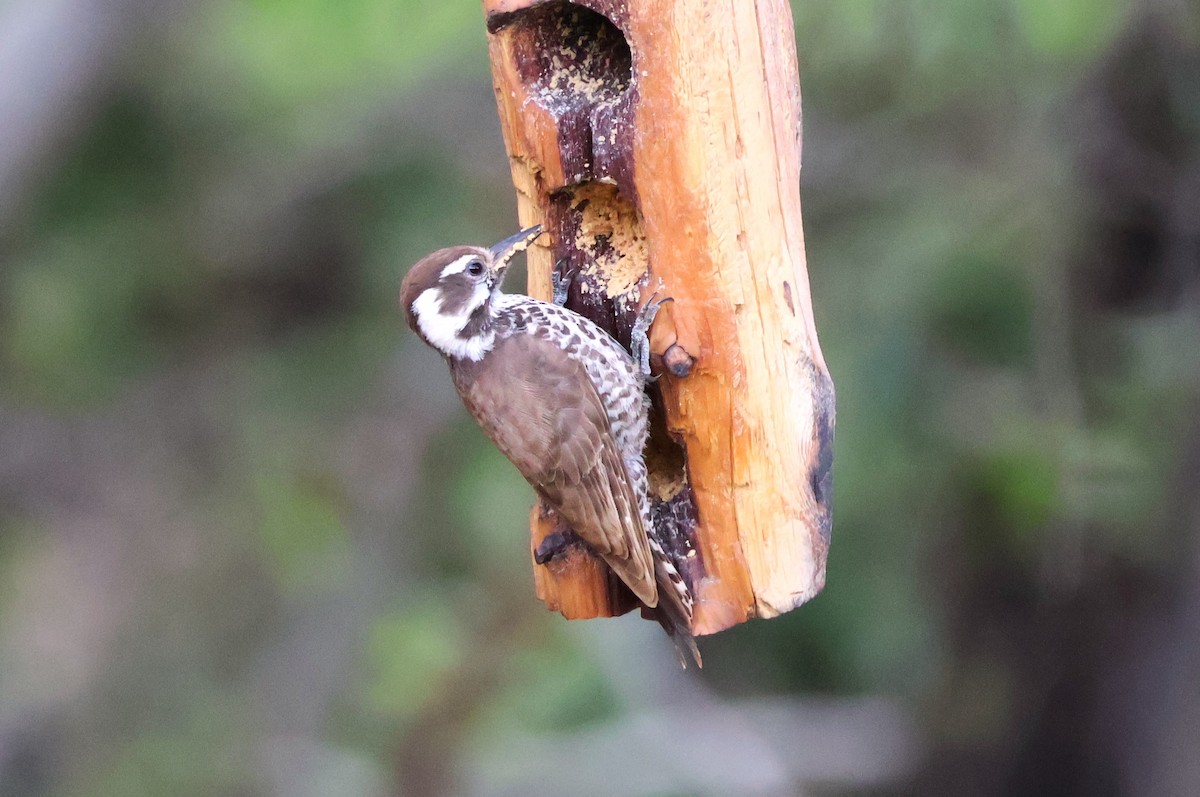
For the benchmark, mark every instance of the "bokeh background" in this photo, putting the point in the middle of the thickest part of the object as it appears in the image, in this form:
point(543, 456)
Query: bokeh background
point(250, 543)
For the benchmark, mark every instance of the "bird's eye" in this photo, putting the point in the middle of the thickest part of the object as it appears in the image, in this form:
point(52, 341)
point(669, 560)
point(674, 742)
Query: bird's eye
point(475, 268)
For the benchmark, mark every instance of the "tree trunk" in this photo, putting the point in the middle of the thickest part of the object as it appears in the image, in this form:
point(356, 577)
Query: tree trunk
point(659, 144)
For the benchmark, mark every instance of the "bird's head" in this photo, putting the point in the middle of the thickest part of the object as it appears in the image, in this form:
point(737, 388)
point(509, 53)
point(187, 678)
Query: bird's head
point(447, 295)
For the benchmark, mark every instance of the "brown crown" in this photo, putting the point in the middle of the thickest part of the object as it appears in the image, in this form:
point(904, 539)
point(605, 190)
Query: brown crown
point(425, 274)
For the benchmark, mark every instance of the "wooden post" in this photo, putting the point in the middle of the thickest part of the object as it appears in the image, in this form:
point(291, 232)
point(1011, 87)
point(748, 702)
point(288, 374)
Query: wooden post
point(658, 141)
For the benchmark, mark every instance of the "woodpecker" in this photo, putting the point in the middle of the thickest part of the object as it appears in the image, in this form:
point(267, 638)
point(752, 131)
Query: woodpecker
point(563, 400)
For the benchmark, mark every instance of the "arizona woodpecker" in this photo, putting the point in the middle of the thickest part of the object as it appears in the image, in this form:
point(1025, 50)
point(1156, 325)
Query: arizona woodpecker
point(562, 400)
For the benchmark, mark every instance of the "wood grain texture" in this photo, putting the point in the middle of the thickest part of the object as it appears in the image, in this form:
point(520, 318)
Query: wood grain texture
point(659, 142)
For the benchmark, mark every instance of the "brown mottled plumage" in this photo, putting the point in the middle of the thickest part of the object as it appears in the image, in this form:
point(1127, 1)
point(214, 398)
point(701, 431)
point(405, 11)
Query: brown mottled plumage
point(562, 400)
point(544, 414)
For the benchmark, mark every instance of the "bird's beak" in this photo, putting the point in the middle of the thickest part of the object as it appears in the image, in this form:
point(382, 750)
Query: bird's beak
point(503, 251)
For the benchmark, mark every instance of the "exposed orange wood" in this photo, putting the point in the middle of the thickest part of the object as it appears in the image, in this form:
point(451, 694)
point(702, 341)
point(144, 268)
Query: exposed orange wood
point(659, 142)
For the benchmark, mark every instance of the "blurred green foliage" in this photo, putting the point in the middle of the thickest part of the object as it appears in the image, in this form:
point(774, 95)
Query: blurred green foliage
point(300, 538)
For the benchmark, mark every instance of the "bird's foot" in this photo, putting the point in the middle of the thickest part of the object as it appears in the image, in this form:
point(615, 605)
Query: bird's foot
point(560, 281)
point(639, 336)
point(554, 544)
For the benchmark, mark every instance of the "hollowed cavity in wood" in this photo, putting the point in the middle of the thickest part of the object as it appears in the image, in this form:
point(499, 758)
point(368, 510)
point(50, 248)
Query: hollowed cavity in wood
point(571, 57)
point(600, 240)
point(576, 66)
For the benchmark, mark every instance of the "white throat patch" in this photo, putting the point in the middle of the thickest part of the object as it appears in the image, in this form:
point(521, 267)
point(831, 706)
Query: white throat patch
point(442, 329)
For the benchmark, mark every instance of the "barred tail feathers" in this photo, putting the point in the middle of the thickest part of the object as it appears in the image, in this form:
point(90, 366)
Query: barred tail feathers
point(675, 602)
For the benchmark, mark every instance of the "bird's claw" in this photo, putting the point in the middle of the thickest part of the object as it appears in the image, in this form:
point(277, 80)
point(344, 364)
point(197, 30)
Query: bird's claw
point(639, 336)
point(560, 281)
point(554, 544)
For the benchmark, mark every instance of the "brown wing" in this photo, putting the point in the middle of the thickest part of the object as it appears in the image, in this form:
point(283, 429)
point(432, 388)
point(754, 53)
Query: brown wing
point(543, 412)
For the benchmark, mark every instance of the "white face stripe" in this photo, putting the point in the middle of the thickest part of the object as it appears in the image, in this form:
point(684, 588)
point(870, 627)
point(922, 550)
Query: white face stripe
point(441, 330)
point(459, 266)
